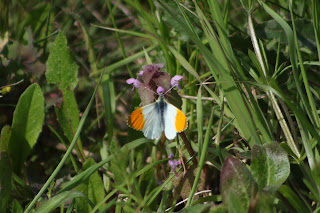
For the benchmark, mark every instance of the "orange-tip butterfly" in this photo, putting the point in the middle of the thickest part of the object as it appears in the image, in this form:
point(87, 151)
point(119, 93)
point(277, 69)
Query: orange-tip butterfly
point(158, 117)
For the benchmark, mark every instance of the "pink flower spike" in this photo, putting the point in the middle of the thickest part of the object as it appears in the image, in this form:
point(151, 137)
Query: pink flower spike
point(141, 73)
point(135, 83)
point(175, 81)
point(160, 90)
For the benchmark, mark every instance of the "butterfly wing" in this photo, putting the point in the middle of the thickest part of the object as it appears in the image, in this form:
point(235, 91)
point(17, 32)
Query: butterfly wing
point(174, 121)
point(136, 119)
point(153, 127)
point(147, 119)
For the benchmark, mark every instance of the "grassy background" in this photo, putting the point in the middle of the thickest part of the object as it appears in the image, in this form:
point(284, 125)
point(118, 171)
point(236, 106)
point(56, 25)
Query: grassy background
point(250, 92)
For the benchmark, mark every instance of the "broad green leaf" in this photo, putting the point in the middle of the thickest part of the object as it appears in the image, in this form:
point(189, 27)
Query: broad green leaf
point(26, 125)
point(68, 114)
point(269, 165)
point(5, 181)
point(5, 138)
point(61, 68)
point(219, 209)
point(235, 203)
point(266, 200)
point(58, 200)
point(93, 188)
point(236, 181)
point(200, 208)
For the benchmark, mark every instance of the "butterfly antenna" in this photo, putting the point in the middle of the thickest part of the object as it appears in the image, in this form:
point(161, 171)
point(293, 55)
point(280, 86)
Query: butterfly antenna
point(169, 89)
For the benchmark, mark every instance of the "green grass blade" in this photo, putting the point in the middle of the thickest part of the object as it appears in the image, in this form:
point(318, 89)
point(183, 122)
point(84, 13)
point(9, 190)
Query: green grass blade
point(200, 121)
point(202, 159)
point(293, 54)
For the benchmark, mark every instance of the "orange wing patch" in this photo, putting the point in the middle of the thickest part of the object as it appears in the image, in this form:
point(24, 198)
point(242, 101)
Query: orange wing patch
point(136, 119)
point(181, 121)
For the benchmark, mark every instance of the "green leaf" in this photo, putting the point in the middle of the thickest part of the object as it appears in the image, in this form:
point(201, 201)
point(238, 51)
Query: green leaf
point(16, 207)
point(270, 165)
point(58, 200)
point(297, 204)
point(5, 181)
point(219, 209)
point(169, 20)
point(147, 183)
point(235, 204)
point(61, 68)
point(200, 208)
point(93, 188)
point(272, 30)
point(266, 200)
point(5, 138)
point(26, 125)
point(68, 114)
point(236, 181)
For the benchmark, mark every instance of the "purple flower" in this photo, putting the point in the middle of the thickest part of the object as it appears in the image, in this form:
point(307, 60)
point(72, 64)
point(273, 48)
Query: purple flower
point(141, 73)
point(173, 164)
point(160, 90)
point(135, 83)
point(153, 67)
point(175, 81)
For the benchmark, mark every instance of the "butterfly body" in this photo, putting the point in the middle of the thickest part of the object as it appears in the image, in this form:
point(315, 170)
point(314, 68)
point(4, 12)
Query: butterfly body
point(158, 117)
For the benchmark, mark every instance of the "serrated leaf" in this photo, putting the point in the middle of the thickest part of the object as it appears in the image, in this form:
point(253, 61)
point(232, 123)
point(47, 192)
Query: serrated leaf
point(58, 200)
point(26, 125)
point(5, 138)
point(93, 188)
point(5, 181)
point(269, 165)
point(61, 68)
point(236, 181)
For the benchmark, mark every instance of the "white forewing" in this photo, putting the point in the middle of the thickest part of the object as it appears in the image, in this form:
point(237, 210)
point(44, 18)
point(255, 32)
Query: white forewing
point(169, 121)
point(152, 126)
